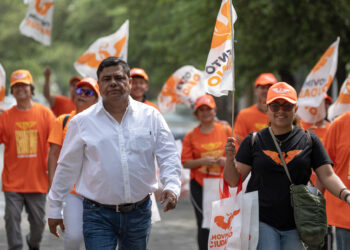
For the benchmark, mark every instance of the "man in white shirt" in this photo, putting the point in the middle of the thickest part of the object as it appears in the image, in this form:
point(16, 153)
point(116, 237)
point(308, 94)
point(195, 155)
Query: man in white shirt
point(109, 154)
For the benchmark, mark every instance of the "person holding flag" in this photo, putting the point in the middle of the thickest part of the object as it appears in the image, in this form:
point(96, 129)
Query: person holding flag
point(139, 86)
point(60, 104)
point(254, 118)
point(203, 153)
point(259, 156)
point(86, 94)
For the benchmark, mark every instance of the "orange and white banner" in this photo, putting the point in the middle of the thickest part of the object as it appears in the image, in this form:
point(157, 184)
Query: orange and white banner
point(185, 85)
point(2, 85)
point(112, 45)
point(342, 104)
point(38, 21)
point(218, 76)
point(311, 97)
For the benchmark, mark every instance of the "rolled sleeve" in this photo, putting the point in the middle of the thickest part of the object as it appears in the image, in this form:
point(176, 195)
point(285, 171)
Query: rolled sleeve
point(68, 170)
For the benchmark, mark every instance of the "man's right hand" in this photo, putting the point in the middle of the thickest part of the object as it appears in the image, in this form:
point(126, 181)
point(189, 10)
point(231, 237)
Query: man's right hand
point(53, 223)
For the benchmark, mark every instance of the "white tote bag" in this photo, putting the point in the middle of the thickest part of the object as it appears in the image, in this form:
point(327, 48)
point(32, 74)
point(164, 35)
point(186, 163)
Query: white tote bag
point(235, 221)
point(210, 194)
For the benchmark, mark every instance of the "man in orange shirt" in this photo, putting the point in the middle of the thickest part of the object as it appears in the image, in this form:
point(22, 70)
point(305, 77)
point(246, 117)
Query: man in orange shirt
point(60, 104)
point(254, 118)
point(86, 94)
point(139, 86)
point(24, 130)
point(337, 144)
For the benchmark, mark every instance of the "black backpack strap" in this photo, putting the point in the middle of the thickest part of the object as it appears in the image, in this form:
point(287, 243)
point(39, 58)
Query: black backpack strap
point(253, 138)
point(308, 137)
point(65, 121)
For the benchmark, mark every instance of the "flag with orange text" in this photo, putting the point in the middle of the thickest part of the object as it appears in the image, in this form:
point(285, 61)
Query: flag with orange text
point(183, 86)
point(342, 104)
point(112, 45)
point(2, 85)
point(311, 97)
point(38, 21)
point(218, 75)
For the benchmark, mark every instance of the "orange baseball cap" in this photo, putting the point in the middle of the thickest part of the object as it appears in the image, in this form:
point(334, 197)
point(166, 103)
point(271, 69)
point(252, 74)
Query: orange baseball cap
point(74, 79)
point(281, 90)
point(21, 76)
point(205, 100)
point(90, 82)
point(138, 72)
point(265, 79)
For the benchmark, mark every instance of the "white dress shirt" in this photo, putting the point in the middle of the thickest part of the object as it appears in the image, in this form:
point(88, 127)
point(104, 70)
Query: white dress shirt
point(113, 163)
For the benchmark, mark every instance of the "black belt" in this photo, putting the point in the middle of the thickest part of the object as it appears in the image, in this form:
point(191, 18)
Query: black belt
point(122, 208)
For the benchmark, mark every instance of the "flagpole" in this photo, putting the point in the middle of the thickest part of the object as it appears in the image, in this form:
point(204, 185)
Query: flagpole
point(233, 73)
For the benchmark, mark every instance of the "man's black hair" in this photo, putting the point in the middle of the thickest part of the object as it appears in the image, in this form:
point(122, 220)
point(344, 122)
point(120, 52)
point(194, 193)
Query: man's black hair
point(113, 61)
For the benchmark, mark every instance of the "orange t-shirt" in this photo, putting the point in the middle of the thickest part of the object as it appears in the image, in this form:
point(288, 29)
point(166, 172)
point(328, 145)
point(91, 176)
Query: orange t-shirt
point(197, 145)
point(151, 104)
point(63, 105)
point(24, 134)
point(248, 120)
point(337, 143)
point(320, 132)
point(58, 133)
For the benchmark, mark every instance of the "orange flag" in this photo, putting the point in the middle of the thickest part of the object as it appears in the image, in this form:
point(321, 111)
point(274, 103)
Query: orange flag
point(2, 85)
point(218, 76)
point(342, 104)
point(38, 21)
point(183, 86)
point(112, 45)
point(311, 97)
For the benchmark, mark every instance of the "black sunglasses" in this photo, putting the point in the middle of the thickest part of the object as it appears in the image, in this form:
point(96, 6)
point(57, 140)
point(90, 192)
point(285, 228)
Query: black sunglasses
point(286, 106)
point(86, 92)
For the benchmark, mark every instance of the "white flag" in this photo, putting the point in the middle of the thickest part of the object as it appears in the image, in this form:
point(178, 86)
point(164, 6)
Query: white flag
point(311, 97)
point(342, 104)
point(2, 85)
point(218, 76)
point(112, 45)
point(38, 21)
point(184, 85)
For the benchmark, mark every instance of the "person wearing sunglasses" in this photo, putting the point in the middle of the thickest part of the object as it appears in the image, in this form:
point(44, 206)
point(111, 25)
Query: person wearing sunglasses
point(86, 94)
point(258, 155)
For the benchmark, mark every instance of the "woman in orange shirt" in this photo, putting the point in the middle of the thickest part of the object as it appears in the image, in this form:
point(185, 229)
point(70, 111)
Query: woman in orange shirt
point(203, 152)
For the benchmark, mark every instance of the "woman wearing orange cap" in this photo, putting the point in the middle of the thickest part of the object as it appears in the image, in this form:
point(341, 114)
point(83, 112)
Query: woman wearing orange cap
point(86, 94)
point(203, 152)
point(259, 155)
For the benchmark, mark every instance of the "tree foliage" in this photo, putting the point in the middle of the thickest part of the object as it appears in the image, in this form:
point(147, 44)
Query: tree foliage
point(284, 37)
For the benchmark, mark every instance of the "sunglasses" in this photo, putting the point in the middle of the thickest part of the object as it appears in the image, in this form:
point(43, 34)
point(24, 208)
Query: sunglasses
point(286, 106)
point(86, 92)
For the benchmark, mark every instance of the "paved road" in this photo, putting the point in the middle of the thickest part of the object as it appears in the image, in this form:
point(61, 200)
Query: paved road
point(176, 230)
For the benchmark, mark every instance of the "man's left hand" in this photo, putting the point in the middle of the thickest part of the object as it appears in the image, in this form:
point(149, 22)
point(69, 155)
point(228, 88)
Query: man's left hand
point(170, 200)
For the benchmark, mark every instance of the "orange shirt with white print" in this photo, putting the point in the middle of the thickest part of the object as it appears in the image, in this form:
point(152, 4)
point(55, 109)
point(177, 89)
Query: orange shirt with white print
point(58, 133)
point(337, 143)
point(151, 104)
point(248, 120)
point(320, 132)
point(24, 134)
point(198, 145)
point(63, 105)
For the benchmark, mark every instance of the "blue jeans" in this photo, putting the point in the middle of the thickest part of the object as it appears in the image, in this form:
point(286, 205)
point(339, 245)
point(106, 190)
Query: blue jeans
point(343, 238)
point(272, 239)
point(104, 228)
